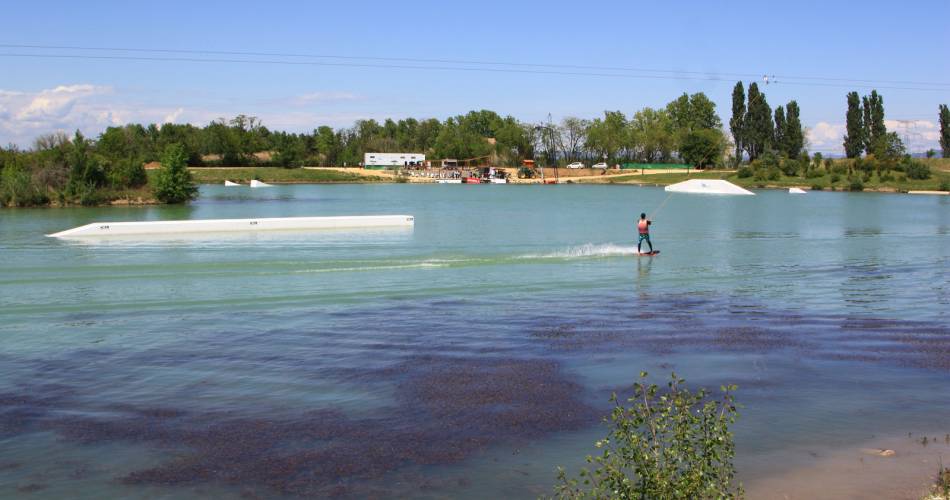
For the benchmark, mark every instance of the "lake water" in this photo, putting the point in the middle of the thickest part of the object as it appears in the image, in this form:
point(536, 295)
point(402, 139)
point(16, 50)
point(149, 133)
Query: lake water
point(469, 356)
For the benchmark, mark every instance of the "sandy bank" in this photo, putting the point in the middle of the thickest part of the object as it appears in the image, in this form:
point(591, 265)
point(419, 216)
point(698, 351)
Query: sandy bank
point(894, 467)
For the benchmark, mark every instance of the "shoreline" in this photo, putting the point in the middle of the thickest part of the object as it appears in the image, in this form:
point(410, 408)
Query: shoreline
point(889, 466)
point(212, 176)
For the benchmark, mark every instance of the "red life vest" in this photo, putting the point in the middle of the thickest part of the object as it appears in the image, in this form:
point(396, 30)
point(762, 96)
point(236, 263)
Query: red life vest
point(643, 226)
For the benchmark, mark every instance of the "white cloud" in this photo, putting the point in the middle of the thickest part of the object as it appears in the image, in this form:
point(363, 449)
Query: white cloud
point(173, 116)
point(65, 108)
point(918, 135)
point(826, 137)
point(25, 115)
point(56, 103)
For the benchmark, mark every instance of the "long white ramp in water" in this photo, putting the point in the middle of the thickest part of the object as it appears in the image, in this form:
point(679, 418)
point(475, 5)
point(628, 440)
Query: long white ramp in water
point(235, 225)
point(707, 186)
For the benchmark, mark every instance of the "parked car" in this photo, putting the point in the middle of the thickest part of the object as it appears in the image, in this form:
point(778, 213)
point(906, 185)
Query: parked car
point(600, 165)
point(576, 164)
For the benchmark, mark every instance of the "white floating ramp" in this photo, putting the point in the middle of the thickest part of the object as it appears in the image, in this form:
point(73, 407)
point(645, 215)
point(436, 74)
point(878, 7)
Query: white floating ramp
point(707, 186)
point(796, 191)
point(258, 184)
point(230, 184)
point(235, 225)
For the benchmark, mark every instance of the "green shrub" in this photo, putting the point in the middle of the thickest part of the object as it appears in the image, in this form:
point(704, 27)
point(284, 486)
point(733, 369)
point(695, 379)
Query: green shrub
point(791, 167)
point(670, 444)
point(774, 174)
point(814, 173)
point(886, 177)
point(945, 185)
point(744, 172)
point(917, 170)
point(128, 174)
point(835, 178)
point(816, 187)
point(17, 189)
point(174, 183)
point(839, 168)
point(856, 185)
point(87, 195)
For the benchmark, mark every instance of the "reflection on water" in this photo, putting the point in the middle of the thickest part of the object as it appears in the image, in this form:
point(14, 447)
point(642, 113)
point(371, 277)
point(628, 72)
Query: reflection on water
point(466, 357)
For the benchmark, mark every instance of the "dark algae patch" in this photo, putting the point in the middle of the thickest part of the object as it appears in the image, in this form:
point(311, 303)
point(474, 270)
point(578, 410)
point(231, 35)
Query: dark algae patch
point(447, 410)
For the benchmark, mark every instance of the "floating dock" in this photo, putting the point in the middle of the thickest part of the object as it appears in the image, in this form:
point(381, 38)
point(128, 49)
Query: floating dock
point(708, 186)
point(235, 225)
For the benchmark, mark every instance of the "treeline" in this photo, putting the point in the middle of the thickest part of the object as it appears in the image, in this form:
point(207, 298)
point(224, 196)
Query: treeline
point(77, 171)
point(59, 169)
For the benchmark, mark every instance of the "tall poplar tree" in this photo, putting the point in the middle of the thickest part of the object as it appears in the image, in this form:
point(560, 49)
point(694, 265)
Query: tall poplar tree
point(854, 140)
point(794, 135)
point(874, 128)
point(778, 137)
point(758, 127)
point(945, 130)
point(738, 119)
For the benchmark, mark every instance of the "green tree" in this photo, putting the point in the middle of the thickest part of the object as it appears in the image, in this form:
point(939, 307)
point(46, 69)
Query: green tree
point(874, 128)
point(174, 183)
point(85, 171)
point(854, 140)
point(794, 136)
point(609, 135)
point(759, 129)
point(778, 138)
point(652, 135)
point(703, 147)
point(737, 122)
point(692, 112)
point(945, 130)
point(665, 444)
point(573, 133)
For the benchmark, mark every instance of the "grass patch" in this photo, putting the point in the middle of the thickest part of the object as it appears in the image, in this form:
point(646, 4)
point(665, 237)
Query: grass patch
point(896, 181)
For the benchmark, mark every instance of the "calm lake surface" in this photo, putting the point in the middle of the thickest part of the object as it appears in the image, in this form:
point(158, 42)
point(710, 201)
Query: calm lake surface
point(464, 358)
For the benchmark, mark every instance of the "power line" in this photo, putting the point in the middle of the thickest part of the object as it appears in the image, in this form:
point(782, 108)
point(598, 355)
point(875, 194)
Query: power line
point(509, 66)
point(424, 68)
point(374, 58)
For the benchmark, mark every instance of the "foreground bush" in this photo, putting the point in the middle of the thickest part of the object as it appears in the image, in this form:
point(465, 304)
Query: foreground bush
point(174, 183)
point(670, 444)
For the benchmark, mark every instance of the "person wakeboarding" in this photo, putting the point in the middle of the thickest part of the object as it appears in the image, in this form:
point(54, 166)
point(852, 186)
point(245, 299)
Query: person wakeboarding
point(643, 227)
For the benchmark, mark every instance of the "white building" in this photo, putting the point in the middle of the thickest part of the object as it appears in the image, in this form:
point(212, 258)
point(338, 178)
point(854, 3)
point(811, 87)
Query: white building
point(386, 160)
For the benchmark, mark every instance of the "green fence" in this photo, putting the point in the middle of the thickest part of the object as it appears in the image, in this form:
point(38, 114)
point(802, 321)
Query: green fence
point(655, 166)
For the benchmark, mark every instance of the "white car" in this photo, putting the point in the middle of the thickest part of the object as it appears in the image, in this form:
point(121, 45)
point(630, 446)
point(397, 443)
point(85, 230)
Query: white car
point(599, 165)
point(576, 164)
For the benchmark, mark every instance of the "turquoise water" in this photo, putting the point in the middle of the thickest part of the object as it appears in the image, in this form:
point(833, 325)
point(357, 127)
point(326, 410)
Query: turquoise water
point(466, 357)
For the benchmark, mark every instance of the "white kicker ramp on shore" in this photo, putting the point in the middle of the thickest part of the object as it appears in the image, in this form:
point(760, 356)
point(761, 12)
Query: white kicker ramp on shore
point(707, 186)
point(258, 184)
point(230, 184)
point(235, 225)
point(796, 191)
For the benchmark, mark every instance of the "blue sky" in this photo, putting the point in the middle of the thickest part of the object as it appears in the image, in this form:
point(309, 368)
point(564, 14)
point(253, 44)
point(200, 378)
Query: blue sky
point(875, 41)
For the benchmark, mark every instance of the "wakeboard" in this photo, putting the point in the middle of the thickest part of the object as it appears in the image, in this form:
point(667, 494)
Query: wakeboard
point(648, 254)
